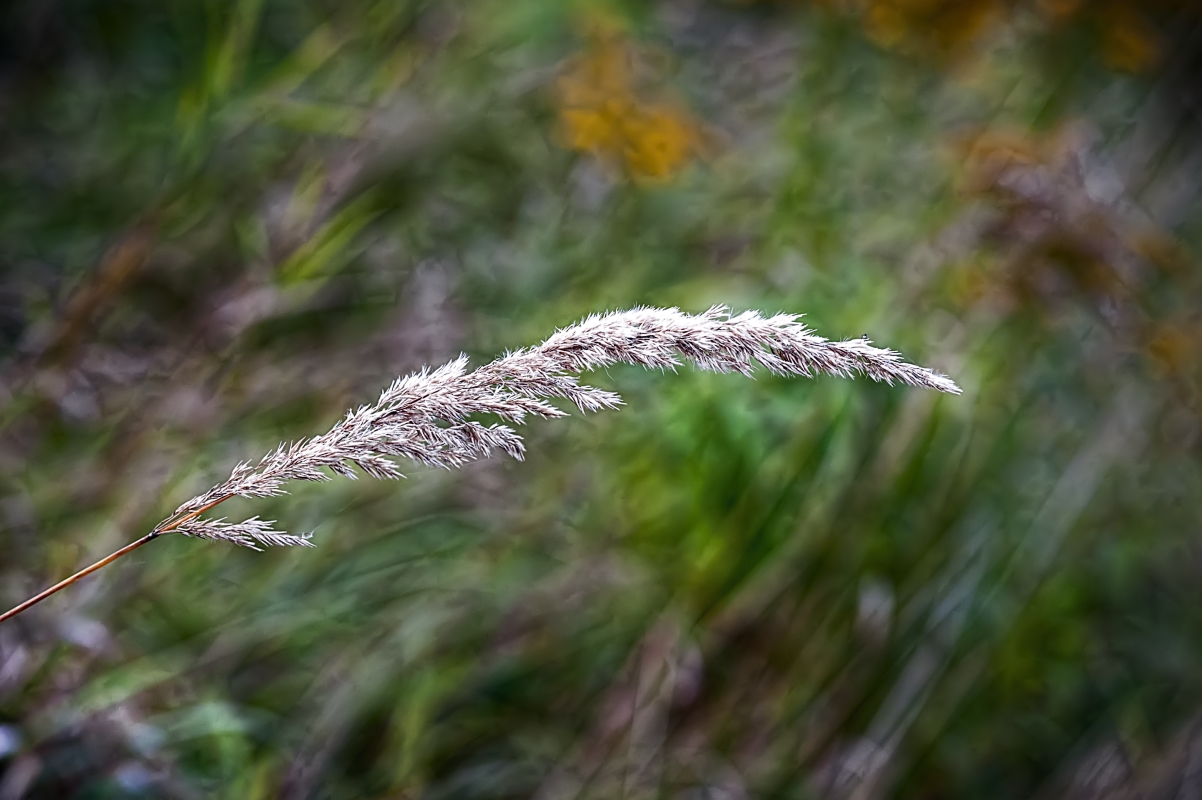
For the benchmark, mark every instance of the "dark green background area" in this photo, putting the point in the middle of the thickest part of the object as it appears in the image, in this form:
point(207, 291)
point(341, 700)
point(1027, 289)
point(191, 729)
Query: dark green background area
point(223, 224)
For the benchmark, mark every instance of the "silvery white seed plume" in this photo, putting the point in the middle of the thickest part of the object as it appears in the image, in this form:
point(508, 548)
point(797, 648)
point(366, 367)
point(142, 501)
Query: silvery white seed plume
point(423, 417)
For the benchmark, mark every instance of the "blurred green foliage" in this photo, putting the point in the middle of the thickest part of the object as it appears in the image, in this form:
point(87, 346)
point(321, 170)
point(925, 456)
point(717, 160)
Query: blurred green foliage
point(222, 224)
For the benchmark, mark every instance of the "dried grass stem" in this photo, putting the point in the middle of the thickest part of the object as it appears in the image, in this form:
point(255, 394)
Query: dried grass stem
point(424, 417)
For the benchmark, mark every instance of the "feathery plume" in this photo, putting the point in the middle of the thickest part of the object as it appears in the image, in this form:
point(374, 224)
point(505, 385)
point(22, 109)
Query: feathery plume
point(424, 417)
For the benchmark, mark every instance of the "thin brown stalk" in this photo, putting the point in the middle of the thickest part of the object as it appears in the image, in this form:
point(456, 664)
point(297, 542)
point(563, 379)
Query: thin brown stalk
point(63, 584)
point(110, 558)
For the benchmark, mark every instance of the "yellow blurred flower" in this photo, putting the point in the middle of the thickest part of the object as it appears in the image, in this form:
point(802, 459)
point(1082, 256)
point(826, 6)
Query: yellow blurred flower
point(1058, 10)
point(603, 112)
point(589, 130)
point(1174, 348)
point(941, 27)
point(602, 74)
point(659, 142)
point(1128, 39)
point(1129, 42)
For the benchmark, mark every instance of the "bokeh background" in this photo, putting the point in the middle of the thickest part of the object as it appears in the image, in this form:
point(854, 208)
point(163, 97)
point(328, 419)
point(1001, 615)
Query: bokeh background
point(223, 223)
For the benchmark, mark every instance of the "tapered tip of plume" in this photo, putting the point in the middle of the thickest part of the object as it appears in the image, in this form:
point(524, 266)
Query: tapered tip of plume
point(888, 366)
